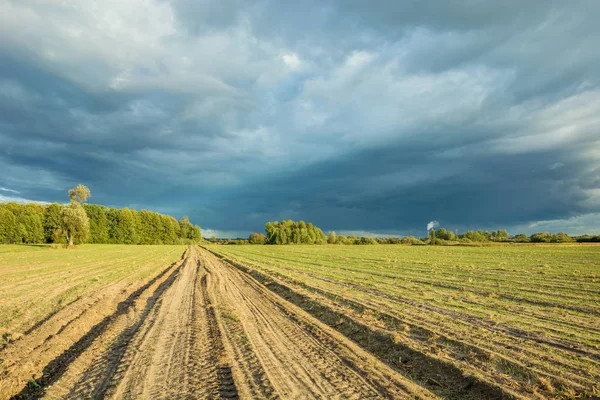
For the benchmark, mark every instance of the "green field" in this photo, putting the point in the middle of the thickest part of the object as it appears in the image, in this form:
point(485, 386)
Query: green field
point(36, 281)
point(525, 319)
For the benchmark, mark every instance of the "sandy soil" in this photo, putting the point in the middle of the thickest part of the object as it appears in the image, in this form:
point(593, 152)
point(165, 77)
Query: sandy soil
point(202, 329)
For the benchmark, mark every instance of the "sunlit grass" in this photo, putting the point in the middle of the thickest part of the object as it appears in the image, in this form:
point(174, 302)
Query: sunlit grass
point(530, 314)
point(36, 281)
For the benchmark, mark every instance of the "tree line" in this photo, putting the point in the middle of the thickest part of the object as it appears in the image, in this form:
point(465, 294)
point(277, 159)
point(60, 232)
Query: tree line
point(442, 235)
point(291, 232)
point(77, 223)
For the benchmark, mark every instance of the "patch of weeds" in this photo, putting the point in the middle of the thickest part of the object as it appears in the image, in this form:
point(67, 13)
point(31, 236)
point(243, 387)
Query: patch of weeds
point(230, 316)
point(33, 384)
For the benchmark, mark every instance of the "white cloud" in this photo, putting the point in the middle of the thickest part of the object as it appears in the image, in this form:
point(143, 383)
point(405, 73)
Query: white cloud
point(221, 234)
point(292, 61)
point(577, 225)
point(359, 58)
point(9, 199)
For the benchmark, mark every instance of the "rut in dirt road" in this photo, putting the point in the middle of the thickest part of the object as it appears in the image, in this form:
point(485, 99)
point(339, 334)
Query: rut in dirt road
point(300, 357)
point(207, 330)
point(173, 351)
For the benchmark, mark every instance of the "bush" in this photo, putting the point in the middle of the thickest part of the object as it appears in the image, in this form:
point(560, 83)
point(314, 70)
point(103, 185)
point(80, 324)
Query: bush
point(501, 235)
point(366, 240)
point(476, 236)
point(561, 237)
point(341, 239)
point(588, 239)
point(292, 232)
point(412, 241)
point(331, 238)
point(256, 238)
point(521, 238)
point(541, 237)
point(443, 234)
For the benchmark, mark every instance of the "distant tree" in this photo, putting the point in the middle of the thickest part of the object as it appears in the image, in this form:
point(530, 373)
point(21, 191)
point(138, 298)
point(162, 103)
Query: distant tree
point(521, 238)
point(353, 239)
point(411, 240)
point(197, 234)
point(541, 237)
point(76, 226)
point(331, 238)
point(126, 227)
point(501, 235)
point(561, 237)
point(186, 228)
point(8, 226)
point(443, 234)
point(341, 239)
point(476, 236)
point(30, 227)
point(75, 222)
point(256, 238)
point(290, 232)
point(366, 240)
point(52, 221)
point(98, 223)
point(79, 194)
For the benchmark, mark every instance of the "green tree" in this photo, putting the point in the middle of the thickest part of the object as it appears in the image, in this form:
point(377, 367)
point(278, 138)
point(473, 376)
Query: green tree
point(79, 194)
point(256, 238)
point(125, 228)
point(331, 238)
point(501, 235)
point(561, 237)
point(541, 237)
point(8, 225)
point(475, 236)
point(366, 240)
point(185, 228)
point(52, 222)
point(98, 223)
point(75, 222)
point(76, 225)
point(30, 226)
point(288, 231)
point(521, 238)
point(444, 234)
point(197, 234)
point(341, 239)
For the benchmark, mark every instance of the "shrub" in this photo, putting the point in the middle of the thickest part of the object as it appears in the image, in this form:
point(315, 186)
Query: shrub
point(561, 237)
point(331, 238)
point(412, 241)
point(541, 237)
point(366, 240)
point(521, 238)
point(256, 238)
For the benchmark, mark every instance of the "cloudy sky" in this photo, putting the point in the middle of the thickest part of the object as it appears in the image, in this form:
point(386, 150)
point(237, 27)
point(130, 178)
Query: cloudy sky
point(359, 116)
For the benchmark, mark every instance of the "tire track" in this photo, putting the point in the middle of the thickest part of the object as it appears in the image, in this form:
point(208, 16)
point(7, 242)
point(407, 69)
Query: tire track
point(301, 357)
point(57, 367)
point(204, 329)
point(175, 354)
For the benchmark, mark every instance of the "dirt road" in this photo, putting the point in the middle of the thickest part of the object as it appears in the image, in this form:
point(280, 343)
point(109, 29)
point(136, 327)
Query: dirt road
point(208, 330)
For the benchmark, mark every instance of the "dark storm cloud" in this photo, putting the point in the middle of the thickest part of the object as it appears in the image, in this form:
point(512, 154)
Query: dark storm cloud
point(358, 116)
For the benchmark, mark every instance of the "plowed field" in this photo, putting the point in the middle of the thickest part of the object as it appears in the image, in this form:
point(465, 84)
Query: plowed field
point(300, 322)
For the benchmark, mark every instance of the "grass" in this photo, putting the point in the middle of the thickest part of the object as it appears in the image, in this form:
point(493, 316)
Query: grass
point(38, 281)
point(21, 248)
point(525, 318)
